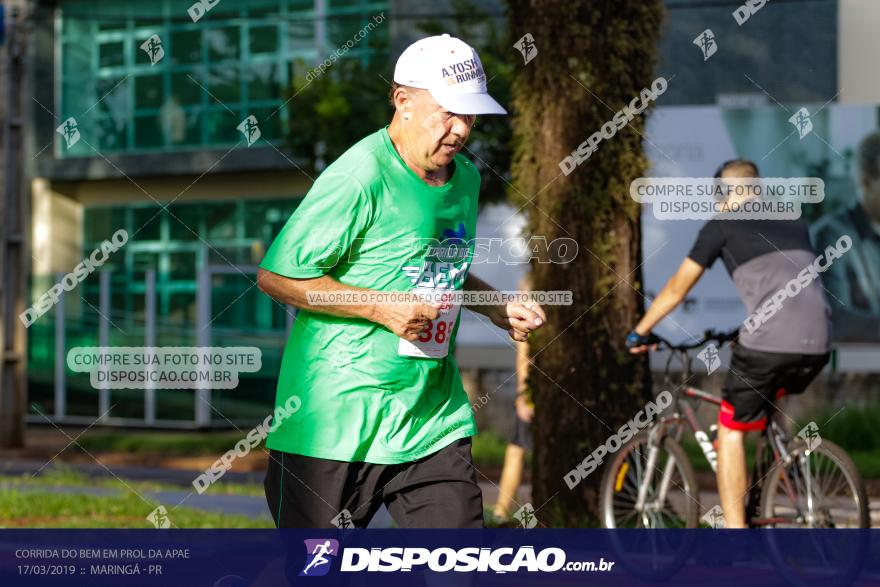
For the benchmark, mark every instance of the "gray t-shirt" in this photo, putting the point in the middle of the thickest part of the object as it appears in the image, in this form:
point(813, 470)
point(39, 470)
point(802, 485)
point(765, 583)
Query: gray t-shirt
point(762, 257)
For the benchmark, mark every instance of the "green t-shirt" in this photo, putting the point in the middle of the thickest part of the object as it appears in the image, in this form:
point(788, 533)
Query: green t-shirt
point(369, 221)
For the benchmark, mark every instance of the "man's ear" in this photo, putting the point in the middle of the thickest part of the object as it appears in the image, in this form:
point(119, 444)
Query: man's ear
point(403, 102)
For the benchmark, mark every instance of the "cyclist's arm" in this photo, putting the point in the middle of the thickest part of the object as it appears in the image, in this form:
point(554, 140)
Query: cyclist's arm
point(672, 294)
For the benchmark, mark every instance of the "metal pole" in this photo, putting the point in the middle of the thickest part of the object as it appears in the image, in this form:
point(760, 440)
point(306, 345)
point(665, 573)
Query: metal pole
point(14, 264)
point(150, 341)
point(203, 336)
point(60, 359)
point(104, 337)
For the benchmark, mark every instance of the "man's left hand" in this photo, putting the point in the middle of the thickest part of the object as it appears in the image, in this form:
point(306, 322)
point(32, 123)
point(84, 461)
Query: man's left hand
point(519, 319)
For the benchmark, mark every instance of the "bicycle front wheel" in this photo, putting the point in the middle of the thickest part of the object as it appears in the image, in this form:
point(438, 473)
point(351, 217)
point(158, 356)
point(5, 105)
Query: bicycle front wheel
point(819, 488)
point(671, 494)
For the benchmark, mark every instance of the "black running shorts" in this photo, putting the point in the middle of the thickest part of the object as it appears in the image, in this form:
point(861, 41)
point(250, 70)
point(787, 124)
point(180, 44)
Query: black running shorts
point(757, 379)
point(437, 491)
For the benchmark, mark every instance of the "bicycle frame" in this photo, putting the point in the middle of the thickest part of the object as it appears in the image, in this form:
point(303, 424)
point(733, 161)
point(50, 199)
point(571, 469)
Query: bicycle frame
point(771, 449)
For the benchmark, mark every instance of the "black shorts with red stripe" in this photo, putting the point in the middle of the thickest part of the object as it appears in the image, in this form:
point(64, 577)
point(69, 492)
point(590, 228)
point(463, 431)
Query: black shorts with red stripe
point(757, 379)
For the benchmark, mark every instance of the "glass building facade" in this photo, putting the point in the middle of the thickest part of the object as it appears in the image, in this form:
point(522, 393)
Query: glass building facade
point(181, 93)
point(237, 60)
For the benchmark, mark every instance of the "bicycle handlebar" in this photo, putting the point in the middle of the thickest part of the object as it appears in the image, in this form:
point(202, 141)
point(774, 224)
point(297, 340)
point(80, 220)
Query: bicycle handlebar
point(709, 335)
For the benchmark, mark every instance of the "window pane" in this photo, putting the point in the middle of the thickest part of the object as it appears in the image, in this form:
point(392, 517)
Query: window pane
point(110, 108)
point(99, 224)
point(185, 222)
point(223, 44)
point(186, 46)
point(76, 60)
point(111, 54)
point(220, 221)
point(148, 91)
point(143, 261)
point(182, 265)
point(233, 300)
point(182, 308)
point(180, 127)
point(225, 85)
point(301, 34)
point(112, 134)
point(222, 126)
point(270, 125)
point(264, 82)
point(186, 91)
point(147, 131)
point(145, 223)
point(263, 39)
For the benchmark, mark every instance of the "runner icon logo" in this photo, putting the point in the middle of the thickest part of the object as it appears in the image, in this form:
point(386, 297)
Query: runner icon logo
point(810, 436)
point(321, 552)
point(710, 358)
point(343, 520)
point(802, 122)
point(159, 518)
point(706, 42)
point(714, 518)
point(153, 48)
point(526, 46)
point(526, 516)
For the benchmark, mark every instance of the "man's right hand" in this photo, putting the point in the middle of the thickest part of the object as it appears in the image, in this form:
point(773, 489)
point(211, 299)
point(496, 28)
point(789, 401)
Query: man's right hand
point(407, 319)
point(638, 343)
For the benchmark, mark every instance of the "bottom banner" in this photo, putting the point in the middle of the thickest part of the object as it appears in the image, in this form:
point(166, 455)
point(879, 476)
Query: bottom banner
point(248, 558)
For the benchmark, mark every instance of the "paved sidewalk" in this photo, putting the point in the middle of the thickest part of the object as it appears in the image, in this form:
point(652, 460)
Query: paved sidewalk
point(248, 505)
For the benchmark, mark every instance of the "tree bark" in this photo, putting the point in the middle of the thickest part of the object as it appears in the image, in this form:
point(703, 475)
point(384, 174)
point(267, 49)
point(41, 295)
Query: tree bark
point(593, 58)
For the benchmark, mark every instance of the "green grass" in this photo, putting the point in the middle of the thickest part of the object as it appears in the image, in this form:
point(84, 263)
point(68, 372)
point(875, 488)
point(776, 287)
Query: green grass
point(162, 443)
point(488, 447)
point(488, 450)
point(34, 509)
point(856, 430)
point(59, 476)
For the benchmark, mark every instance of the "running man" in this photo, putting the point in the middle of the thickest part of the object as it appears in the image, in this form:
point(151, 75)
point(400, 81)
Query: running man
point(319, 552)
point(384, 417)
point(781, 356)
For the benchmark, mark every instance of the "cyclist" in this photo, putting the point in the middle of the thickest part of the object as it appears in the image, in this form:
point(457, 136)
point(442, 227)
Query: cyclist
point(778, 354)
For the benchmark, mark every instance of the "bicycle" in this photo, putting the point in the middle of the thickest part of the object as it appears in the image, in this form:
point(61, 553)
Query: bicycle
point(650, 483)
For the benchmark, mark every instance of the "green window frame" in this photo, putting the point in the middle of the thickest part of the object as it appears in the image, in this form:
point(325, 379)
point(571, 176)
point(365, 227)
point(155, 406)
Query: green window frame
point(235, 61)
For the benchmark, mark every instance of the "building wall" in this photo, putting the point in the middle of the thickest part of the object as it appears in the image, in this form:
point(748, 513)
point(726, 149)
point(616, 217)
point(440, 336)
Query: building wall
point(858, 48)
point(56, 233)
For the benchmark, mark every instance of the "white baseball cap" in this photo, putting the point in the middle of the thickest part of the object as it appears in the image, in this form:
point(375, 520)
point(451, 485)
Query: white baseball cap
point(451, 70)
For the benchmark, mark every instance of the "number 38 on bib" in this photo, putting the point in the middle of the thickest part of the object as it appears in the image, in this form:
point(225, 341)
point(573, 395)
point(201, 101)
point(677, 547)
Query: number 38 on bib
point(433, 341)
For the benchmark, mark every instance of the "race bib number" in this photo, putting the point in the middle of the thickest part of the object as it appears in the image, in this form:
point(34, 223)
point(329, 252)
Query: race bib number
point(433, 341)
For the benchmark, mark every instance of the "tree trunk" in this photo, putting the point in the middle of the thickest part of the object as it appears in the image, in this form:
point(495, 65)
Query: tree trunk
point(593, 58)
